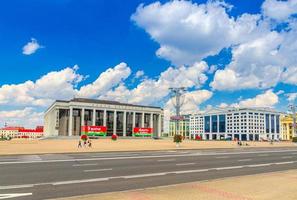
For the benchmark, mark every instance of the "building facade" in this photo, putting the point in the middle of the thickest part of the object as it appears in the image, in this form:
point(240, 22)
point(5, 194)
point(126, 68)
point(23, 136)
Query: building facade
point(66, 118)
point(236, 123)
point(287, 127)
point(183, 127)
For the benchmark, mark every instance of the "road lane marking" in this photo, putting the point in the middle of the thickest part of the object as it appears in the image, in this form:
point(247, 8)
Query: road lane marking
point(260, 165)
point(222, 157)
point(82, 165)
point(142, 175)
point(284, 163)
point(244, 160)
point(98, 170)
point(184, 164)
point(285, 157)
point(14, 195)
point(167, 160)
point(140, 157)
point(232, 167)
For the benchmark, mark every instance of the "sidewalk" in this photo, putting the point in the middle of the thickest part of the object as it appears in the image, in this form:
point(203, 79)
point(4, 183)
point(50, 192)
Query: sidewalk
point(270, 186)
point(25, 146)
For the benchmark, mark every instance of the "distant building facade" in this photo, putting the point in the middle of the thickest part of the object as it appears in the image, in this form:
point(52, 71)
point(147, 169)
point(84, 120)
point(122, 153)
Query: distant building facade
point(70, 118)
point(287, 127)
point(21, 132)
point(180, 127)
point(236, 123)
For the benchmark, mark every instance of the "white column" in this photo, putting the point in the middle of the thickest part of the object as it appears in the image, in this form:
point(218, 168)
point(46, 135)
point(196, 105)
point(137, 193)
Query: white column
point(159, 125)
point(82, 117)
point(151, 121)
point(104, 118)
point(210, 128)
point(124, 124)
point(70, 121)
point(133, 123)
point(142, 120)
point(115, 122)
point(94, 117)
point(275, 133)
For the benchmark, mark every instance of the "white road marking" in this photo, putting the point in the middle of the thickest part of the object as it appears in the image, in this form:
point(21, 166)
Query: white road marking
point(225, 168)
point(14, 195)
point(285, 157)
point(87, 164)
point(98, 170)
point(184, 164)
point(294, 153)
point(243, 160)
point(142, 157)
point(167, 160)
point(284, 163)
point(221, 157)
point(261, 165)
point(141, 175)
point(144, 175)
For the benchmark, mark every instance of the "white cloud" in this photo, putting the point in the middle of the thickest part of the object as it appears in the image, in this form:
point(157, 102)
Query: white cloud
point(291, 96)
point(31, 47)
point(279, 9)
point(188, 32)
point(267, 99)
point(261, 56)
point(151, 91)
point(27, 117)
point(106, 81)
point(139, 74)
point(42, 92)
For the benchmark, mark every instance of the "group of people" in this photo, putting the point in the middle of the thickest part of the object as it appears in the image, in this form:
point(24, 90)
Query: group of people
point(85, 143)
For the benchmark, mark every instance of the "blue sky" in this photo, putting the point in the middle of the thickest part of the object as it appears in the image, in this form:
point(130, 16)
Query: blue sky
point(92, 37)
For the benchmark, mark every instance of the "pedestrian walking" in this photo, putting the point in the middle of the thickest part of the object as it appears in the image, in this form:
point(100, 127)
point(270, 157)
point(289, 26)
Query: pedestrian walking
point(79, 144)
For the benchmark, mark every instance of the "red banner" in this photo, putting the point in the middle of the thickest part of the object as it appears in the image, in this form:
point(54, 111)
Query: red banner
point(93, 129)
point(143, 130)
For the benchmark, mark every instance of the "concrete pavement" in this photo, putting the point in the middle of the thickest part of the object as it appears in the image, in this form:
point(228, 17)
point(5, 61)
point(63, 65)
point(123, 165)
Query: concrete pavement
point(62, 175)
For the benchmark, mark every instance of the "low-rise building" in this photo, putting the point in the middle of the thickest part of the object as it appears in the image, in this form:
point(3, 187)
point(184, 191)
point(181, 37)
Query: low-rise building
point(180, 126)
point(236, 123)
point(287, 127)
point(71, 118)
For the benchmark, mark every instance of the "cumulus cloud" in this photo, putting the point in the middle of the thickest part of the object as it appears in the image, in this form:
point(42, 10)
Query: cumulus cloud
point(106, 81)
point(31, 47)
point(151, 91)
point(266, 99)
point(27, 117)
point(43, 91)
point(188, 32)
point(139, 74)
point(279, 9)
point(291, 96)
point(262, 56)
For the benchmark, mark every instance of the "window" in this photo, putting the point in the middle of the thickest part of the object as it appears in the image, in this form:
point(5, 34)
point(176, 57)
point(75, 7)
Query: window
point(207, 124)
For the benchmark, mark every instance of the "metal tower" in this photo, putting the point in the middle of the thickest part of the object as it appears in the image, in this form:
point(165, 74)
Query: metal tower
point(177, 94)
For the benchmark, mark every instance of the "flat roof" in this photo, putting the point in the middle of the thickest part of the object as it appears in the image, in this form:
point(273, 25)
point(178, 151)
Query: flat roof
point(99, 101)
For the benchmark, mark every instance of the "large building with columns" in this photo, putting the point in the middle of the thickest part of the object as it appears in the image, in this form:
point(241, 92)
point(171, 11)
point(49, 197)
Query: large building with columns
point(66, 118)
point(236, 123)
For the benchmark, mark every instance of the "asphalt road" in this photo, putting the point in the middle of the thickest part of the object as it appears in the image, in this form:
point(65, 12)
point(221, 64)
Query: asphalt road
point(49, 176)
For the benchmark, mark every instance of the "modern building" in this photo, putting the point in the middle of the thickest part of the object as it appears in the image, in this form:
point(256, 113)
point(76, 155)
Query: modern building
point(67, 118)
point(287, 127)
point(236, 123)
point(180, 126)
